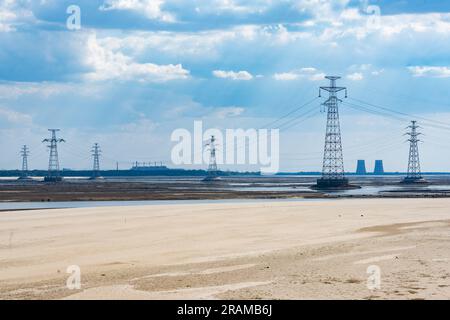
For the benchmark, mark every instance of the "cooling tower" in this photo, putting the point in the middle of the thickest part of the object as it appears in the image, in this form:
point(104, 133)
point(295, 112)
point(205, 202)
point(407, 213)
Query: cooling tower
point(379, 168)
point(361, 167)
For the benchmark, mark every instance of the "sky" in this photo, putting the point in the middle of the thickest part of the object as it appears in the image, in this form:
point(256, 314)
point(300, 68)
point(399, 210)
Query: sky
point(136, 70)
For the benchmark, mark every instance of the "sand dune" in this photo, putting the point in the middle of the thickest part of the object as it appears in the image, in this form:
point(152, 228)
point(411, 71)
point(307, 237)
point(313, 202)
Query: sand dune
point(287, 250)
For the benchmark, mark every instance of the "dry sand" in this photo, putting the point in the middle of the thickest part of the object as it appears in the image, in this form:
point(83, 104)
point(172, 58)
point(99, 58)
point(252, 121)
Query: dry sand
point(278, 250)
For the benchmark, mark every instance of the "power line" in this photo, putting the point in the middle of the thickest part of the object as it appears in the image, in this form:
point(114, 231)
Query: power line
point(440, 123)
point(270, 124)
point(396, 115)
point(374, 112)
point(309, 114)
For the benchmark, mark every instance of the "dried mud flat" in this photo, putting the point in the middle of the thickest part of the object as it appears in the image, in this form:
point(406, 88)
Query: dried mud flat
point(192, 188)
point(277, 250)
point(137, 190)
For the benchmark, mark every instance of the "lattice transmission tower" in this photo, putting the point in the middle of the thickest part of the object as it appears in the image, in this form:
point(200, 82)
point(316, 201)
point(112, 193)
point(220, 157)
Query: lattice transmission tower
point(54, 174)
point(333, 175)
point(213, 172)
point(25, 152)
point(414, 174)
point(96, 151)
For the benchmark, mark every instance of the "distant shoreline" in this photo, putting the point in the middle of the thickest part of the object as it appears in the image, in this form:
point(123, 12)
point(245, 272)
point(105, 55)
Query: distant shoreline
point(181, 173)
point(127, 173)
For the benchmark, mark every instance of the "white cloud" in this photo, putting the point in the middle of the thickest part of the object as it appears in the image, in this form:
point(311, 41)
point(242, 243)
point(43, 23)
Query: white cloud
point(229, 112)
point(141, 126)
point(360, 71)
point(350, 14)
point(183, 44)
point(431, 72)
point(206, 43)
point(234, 6)
point(286, 76)
point(377, 72)
point(309, 73)
point(333, 20)
point(209, 44)
point(6, 18)
point(109, 65)
point(317, 76)
point(320, 9)
point(150, 8)
point(357, 76)
point(11, 14)
point(15, 117)
point(240, 75)
point(15, 90)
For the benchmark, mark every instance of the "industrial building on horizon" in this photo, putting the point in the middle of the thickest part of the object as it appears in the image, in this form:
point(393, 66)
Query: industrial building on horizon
point(150, 166)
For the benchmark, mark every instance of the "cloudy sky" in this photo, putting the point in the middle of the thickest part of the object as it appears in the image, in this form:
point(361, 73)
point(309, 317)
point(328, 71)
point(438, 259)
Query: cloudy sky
point(139, 69)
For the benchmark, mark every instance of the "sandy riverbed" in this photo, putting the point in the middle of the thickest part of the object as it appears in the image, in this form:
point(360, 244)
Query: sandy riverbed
point(277, 250)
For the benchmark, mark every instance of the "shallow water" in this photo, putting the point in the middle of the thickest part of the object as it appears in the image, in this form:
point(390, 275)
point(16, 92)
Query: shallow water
point(365, 190)
point(5, 206)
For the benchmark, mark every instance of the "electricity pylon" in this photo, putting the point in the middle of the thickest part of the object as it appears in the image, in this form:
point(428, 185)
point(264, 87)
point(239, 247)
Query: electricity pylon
point(53, 162)
point(333, 175)
point(96, 167)
point(213, 173)
point(414, 174)
point(25, 152)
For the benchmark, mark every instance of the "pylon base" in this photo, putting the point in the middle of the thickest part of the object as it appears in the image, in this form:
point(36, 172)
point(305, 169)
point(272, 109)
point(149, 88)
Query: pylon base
point(25, 179)
point(211, 179)
point(53, 179)
point(96, 178)
point(334, 184)
point(410, 180)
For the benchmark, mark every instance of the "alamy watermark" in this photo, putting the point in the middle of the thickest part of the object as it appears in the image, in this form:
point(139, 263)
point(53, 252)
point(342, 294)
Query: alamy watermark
point(259, 147)
point(74, 280)
point(374, 15)
point(73, 22)
point(374, 279)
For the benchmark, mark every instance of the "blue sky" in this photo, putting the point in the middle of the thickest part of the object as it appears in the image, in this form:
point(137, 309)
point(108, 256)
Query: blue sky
point(138, 69)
